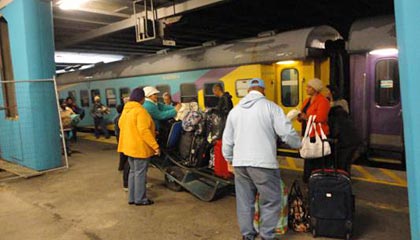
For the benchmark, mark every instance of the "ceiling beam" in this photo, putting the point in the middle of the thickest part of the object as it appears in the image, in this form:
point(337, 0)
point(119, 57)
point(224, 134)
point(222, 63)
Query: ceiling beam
point(73, 19)
point(130, 22)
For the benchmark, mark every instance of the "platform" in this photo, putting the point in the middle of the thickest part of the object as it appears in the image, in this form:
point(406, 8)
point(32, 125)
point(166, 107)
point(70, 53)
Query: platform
point(87, 202)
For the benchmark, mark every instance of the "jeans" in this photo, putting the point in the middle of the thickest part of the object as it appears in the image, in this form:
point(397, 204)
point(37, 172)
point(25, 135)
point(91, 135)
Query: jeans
point(249, 181)
point(100, 122)
point(137, 180)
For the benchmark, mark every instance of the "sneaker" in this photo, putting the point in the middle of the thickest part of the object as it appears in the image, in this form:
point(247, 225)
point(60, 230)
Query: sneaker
point(125, 189)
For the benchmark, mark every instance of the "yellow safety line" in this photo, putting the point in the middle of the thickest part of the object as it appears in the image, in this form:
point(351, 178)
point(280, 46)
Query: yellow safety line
point(289, 168)
point(384, 160)
point(365, 173)
point(291, 163)
point(394, 176)
point(379, 181)
point(292, 166)
point(287, 150)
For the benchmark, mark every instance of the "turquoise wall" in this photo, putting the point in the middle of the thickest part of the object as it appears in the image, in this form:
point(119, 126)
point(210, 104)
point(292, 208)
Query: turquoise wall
point(33, 138)
point(408, 37)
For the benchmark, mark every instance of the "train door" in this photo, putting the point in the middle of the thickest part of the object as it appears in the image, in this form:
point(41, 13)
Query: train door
point(385, 118)
point(289, 88)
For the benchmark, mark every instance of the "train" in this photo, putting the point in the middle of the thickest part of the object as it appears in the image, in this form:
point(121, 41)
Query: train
point(365, 70)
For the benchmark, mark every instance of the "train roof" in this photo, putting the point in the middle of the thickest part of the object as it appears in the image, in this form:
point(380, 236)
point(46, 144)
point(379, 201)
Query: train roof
point(282, 46)
point(372, 33)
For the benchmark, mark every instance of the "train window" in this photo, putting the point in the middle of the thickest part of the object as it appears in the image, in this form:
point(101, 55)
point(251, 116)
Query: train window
point(94, 93)
point(6, 69)
point(241, 87)
point(111, 98)
point(162, 89)
point(72, 95)
point(290, 87)
point(84, 98)
point(387, 82)
point(188, 92)
point(210, 100)
point(124, 92)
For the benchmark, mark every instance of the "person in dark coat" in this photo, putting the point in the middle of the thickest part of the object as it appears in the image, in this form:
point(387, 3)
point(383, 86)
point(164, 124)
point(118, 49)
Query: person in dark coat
point(225, 100)
point(98, 112)
point(77, 110)
point(342, 129)
point(123, 164)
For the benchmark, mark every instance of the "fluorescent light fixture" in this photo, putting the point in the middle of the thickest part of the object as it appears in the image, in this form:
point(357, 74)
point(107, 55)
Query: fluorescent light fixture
point(88, 60)
point(71, 4)
point(384, 51)
point(288, 62)
point(85, 58)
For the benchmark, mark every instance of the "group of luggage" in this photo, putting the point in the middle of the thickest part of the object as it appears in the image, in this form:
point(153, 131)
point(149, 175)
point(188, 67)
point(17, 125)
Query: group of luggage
point(199, 144)
point(326, 211)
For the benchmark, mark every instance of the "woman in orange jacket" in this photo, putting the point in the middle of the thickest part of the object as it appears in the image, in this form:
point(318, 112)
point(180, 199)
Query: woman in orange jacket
point(319, 106)
point(138, 141)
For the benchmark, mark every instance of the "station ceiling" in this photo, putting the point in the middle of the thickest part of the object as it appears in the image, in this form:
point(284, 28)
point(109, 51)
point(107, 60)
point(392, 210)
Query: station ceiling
point(108, 26)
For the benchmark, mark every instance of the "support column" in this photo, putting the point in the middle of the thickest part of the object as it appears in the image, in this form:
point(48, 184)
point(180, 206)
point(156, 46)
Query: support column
point(408, 37)
point(32, 137)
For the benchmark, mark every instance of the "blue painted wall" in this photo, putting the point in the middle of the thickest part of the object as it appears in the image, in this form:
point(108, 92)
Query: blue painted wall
point(408, 35)
point(33, 138)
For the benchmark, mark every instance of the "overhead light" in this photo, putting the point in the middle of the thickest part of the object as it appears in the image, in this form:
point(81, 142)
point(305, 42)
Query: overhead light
point(70, 4)
point(384, 51)
point(288, 62)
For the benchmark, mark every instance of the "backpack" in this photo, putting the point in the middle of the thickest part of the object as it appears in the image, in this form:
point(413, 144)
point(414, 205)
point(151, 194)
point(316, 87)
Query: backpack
point(298, 219)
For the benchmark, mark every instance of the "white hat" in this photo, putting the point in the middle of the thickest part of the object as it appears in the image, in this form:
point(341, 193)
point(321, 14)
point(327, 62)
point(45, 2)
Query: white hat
point(316, 84)
point(149, 91)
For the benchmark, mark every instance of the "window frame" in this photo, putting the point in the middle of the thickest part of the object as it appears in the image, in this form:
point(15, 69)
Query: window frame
point(395, 88)
point(97, 92)
point(165, 86)
point(72, 95)
point(236, 86)
point(120, 91)
point(190, 97)
point(281, 87)
point(209, 97)
point(82, 97)
point(107, 99)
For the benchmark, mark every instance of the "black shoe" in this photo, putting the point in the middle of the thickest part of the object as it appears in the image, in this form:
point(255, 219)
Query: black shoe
point(145, 203)
point(130, 203)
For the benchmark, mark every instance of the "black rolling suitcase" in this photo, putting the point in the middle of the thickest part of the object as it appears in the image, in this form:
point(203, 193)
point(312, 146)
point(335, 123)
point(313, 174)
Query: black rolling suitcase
point(331, 203)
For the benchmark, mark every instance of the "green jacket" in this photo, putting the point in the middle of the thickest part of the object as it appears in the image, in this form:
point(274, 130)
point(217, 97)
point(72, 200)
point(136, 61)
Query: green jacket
point(159, 111)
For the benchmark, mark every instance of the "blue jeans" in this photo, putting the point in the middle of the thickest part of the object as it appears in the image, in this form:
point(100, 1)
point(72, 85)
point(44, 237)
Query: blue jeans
point(249, 181)
point(137, 180)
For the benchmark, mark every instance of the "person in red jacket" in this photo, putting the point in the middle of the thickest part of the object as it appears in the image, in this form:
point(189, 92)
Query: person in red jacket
point(317, 105)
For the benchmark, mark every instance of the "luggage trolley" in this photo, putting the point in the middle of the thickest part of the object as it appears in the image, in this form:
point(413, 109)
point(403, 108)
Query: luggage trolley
point(201, 182)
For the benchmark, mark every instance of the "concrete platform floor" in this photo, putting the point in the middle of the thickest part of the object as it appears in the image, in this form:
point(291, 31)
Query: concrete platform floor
point(88, 202)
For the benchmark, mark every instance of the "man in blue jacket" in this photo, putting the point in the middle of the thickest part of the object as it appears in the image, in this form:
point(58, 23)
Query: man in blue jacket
point(157, 110)
point(249, 144)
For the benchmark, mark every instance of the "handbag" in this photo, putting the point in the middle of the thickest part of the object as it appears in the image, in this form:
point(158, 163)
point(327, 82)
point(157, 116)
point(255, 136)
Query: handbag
point(317, 149)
